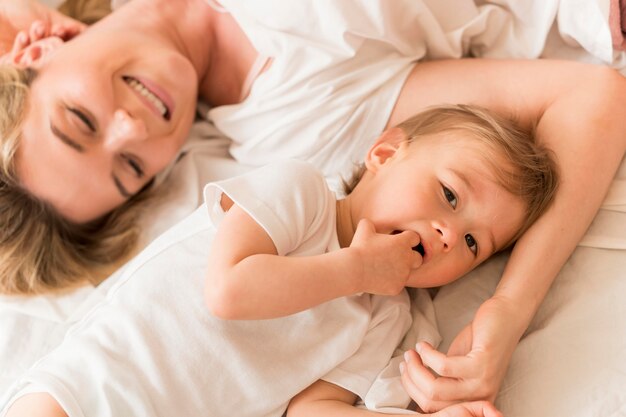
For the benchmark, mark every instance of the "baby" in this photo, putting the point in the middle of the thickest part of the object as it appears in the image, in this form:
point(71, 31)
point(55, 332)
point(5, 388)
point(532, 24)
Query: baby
point(437, 195)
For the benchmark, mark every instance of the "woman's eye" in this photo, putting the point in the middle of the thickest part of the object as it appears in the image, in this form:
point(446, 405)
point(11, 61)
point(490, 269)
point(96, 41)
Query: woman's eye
point(134, 165)
point(83, 118)
point(450, 197)
point(471, 243)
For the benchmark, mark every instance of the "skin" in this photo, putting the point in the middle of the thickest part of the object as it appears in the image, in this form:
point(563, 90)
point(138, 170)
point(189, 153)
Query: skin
point(38, 404)
point(577, 110)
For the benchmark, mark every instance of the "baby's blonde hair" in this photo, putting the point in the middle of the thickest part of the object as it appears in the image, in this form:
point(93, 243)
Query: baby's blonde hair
point(525, 168)
point(40, 251)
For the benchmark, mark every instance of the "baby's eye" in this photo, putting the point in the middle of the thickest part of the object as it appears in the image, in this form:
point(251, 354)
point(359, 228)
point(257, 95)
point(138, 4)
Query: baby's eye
point(471, 243)
point(449, 196)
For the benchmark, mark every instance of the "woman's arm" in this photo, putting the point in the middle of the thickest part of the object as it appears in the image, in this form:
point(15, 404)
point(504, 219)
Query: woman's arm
point(328, 400)
point(246, 279)
point(579, 111)
point(37, 404)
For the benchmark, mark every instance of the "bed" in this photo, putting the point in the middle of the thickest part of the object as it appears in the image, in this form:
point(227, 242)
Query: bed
point(570, 360)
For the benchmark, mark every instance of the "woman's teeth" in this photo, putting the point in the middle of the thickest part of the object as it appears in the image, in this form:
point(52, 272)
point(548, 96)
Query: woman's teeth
point(141, 89)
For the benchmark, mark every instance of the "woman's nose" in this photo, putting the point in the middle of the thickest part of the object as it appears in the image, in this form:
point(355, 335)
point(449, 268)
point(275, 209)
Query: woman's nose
point(125, 130)
point(447, 234)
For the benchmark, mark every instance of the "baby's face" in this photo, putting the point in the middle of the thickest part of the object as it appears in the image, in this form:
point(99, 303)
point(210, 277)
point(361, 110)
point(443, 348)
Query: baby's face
point(444, 189)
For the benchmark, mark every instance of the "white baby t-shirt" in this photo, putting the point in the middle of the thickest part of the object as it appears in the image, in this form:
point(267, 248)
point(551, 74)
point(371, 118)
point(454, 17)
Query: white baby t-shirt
point(151, 348)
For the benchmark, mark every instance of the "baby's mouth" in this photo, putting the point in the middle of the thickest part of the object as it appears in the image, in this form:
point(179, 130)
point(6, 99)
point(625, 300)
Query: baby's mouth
point(419, 248)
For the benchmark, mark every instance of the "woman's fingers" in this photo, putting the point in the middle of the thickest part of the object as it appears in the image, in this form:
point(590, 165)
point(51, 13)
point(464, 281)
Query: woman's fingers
point(413, 376)
point(435, 380)
point(444, 365)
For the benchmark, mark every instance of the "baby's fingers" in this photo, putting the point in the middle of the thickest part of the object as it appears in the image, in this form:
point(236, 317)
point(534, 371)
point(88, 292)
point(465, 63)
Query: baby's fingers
point(410, 239)
point(66, 32)
point(38, 30)
point(364, 230)
point(21, 41)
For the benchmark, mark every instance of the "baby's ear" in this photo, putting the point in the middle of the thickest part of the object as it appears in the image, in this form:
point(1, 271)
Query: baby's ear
point(37, 53)
point(385, 148)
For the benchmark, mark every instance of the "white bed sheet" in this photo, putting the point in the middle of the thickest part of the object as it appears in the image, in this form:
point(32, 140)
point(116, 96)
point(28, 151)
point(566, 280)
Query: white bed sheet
point(569, 361)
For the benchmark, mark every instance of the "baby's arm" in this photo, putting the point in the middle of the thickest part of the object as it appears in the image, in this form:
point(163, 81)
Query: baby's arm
point(36, 405)
point(246, 279)
point(326, 399)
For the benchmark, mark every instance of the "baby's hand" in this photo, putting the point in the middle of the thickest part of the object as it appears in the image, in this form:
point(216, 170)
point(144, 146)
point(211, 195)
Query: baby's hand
point(41, 29)
point(387, 260)
point(38, 31)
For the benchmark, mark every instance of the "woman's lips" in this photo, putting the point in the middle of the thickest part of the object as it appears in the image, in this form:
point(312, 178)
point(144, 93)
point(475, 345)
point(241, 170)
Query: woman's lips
point(156, 92)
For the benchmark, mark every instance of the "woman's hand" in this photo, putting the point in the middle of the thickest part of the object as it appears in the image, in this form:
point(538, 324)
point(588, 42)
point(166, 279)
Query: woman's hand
point(474, 366)
point(22, 15)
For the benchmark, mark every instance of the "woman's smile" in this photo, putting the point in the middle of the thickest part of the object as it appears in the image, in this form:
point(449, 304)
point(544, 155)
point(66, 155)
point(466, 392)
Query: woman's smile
point(152, 95)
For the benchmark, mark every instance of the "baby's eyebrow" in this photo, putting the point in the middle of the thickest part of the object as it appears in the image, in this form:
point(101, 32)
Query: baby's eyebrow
point(66, 139)
point(464, 178)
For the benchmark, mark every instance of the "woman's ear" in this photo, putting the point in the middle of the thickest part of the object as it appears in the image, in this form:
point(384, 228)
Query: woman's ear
point(385, 148)
point(37, 53)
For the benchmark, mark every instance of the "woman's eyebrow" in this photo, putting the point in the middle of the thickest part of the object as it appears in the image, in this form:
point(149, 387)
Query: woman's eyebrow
point(66, 139)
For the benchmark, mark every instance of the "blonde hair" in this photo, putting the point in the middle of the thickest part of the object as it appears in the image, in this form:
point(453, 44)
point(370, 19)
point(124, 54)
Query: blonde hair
point(529, 170)
point(87, 11)
point(40, 251)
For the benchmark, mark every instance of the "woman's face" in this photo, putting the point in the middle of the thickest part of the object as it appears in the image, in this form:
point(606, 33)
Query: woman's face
point(108, 111)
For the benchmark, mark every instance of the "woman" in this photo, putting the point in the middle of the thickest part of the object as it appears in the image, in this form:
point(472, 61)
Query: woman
point(107, 141)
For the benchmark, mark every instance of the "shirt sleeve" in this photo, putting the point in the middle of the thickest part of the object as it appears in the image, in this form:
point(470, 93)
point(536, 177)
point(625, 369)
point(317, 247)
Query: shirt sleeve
point(289, 200)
